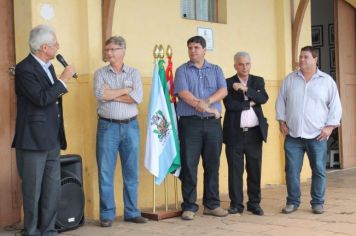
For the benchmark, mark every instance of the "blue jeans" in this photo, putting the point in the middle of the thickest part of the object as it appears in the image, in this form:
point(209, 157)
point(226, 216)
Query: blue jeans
point(294, 154)
point(111, 139)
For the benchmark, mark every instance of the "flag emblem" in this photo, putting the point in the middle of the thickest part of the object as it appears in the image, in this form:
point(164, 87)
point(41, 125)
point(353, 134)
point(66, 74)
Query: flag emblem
point(163, 127)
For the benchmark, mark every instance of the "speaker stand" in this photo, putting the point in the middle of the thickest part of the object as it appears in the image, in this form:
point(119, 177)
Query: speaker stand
point(161, 215)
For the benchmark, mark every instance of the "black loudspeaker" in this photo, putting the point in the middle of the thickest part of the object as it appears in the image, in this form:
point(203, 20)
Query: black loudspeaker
point(70, 213)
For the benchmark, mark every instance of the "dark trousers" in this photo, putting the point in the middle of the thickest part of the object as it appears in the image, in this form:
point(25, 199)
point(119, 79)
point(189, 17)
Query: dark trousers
point(40, 174)
point(200, 138)
point(249, 146)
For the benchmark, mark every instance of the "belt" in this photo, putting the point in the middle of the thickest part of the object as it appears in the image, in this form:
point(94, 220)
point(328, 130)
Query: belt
point(118, 121)
point(246, 129)
point(199, 117)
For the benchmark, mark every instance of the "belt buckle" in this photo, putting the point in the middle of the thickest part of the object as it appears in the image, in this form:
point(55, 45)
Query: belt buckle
point(244, 129)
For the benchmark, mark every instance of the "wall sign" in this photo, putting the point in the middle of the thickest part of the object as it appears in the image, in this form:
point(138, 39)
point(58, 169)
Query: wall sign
point(207, 34)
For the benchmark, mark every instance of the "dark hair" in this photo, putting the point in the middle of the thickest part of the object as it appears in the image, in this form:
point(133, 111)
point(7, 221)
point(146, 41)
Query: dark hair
point(197, 39)
point(312, 50)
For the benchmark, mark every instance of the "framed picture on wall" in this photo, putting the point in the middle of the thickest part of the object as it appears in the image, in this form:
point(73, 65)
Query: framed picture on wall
point(317, 35)
point(333, 74)
point(319, 58)
point(331, 35)
point(207, 34)
point(332, 57)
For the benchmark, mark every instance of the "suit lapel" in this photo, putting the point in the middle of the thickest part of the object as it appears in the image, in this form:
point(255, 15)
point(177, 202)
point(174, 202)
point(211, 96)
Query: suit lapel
point(239, 93)
point(40, 70)
point(236, 79)
point(249, 81)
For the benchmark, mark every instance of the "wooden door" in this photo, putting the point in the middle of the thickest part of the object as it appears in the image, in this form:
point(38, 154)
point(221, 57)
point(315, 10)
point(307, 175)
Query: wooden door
point(10, 196)
point(345, 30)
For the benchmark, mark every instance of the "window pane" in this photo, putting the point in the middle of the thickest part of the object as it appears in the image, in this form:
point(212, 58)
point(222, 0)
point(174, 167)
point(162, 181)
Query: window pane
point(202, 9)
point(188, 8)
point(205, 10)
point(212, 8)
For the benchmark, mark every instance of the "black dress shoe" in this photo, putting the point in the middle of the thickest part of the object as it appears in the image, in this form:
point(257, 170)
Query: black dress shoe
point(105, 223)
point(234, 210)
point(138, 220)
point(256, 210)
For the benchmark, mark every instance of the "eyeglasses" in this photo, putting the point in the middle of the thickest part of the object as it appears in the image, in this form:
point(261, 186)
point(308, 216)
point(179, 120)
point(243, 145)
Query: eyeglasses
point(112, 49)
point(55, 44)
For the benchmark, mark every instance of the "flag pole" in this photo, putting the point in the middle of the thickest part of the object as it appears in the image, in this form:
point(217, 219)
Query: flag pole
point(176, 192)
point(154, 195)
point(169, 54)
point(166, 193)
point(161, 56)
point(155, 56)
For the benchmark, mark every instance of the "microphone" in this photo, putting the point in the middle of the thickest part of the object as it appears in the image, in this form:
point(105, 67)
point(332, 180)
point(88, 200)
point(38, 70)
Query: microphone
point(65, 64)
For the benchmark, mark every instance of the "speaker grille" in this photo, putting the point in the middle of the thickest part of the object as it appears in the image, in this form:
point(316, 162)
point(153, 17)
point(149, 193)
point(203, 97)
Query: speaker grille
point(71, 180)
point(71, 206)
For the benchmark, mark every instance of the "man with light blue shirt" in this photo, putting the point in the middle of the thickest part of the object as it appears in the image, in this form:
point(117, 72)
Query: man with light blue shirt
point(200, 87)
point(308, 108)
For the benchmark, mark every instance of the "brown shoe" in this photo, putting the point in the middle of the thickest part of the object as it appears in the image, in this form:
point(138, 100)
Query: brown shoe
point(138, 220)
point(219, 212)
point(188, 215)
point(106, 223)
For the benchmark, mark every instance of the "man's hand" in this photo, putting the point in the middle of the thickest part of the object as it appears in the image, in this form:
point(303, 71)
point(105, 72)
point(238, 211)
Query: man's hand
point(111, 94)
point(237, 86)
point(128, 90)
point(283, 127)
point(325, 133)
point(67, 73)
point(202, 106)
point(105, 86)
point(216, 113)
point(252, 103)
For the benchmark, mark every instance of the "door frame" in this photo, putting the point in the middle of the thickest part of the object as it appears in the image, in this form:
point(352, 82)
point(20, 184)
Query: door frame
point(10, 195)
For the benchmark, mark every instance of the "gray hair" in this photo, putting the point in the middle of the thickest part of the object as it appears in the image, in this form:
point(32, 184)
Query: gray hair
point(118, 40)
point(241, 54)
point(40, 35)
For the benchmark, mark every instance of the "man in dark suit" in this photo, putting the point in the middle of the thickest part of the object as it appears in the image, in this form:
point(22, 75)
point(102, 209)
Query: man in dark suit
point(39, 133)
point(245, 127)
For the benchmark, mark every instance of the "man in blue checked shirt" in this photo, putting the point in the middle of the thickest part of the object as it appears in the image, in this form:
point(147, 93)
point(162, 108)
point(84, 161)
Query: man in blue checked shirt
point(200, 87)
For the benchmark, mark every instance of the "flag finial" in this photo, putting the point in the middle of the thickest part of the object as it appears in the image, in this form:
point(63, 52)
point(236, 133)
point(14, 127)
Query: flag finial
point(161, 51)
point(169, 52)
point(156, 52)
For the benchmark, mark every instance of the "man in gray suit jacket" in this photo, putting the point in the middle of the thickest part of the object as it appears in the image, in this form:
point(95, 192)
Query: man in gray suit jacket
point(39, 133)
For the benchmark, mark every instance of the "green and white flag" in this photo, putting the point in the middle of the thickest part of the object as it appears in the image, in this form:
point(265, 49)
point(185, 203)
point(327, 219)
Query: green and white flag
point(162, 146)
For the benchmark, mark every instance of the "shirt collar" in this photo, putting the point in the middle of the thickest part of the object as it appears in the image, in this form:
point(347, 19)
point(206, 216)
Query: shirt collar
point(242, 81)
point(42, 63)
point(318, 73)
point(124, 68)
point(205, 65)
